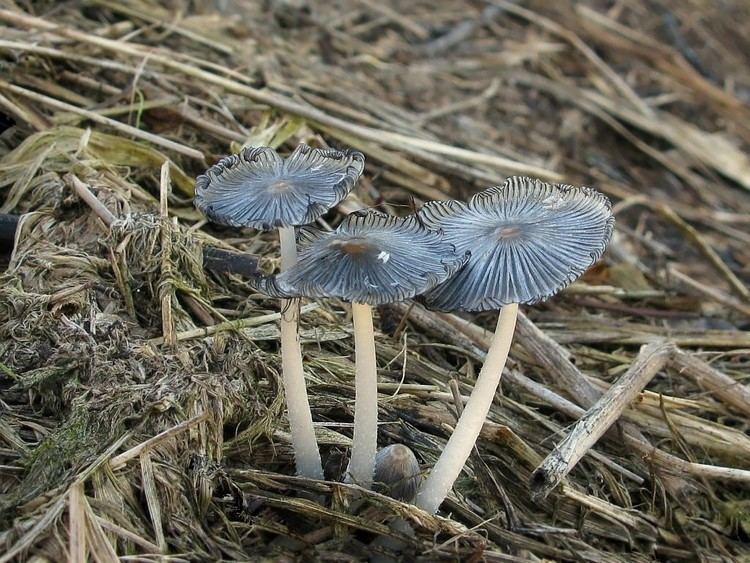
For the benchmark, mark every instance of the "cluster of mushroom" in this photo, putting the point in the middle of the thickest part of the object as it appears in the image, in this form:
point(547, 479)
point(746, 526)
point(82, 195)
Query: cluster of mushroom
point(517, 243)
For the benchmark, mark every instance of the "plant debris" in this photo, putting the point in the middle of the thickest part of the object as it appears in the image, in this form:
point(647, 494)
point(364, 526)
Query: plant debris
point(141, 414)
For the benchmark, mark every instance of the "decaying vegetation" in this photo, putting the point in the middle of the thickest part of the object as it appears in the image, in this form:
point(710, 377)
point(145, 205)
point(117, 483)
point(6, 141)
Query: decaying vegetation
point(141, 413)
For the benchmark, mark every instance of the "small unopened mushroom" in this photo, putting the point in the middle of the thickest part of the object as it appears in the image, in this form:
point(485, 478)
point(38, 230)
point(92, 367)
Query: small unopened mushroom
point(370, 259)
point(397, 472)
point(257, 188)
point(528, 240)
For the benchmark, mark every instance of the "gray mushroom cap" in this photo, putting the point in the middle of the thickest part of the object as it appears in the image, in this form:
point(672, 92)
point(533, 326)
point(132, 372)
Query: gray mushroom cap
point(257, 188)
point(528, 240)
point(371, 258)
point(397, 472)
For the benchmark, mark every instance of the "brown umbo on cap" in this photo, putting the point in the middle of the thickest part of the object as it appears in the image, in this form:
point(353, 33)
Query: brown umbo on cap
point(257, 188)
point(371, 258)
point(528, 240)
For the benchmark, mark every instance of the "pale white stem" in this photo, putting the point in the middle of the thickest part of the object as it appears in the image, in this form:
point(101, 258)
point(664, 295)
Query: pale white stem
point(304, 444)
point(440, 480)
point(362, 463)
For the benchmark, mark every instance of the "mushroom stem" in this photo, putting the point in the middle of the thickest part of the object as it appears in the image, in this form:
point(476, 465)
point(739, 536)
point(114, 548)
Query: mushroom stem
point(362, 463)
point(304, 444)
point(457, 451)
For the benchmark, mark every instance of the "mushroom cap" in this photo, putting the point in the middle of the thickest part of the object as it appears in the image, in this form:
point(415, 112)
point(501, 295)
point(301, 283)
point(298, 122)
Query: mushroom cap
point(257, 188)
point(370, 258)
point(528, 240)
point(397, 472)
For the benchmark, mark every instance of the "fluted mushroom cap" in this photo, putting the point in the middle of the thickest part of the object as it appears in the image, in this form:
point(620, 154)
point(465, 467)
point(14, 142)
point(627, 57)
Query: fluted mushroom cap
point(528, 240)
point(257, 188)
point(370, 258)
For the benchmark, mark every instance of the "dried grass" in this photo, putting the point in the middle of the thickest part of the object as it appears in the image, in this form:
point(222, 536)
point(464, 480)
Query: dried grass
point(141, 415)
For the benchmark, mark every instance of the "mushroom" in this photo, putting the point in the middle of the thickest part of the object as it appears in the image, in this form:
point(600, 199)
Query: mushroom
point(370, 259)
point(257, 188)
point(528, 240)
point(397, 472)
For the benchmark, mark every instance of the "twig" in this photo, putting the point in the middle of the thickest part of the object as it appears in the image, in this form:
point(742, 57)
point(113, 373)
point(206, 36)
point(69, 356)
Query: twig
point(166, 287)
point(125, 534)
point(561, 404)
point(674, 464)
point(120, 460)
point(58, 54)
point(580, 288)
point(598, 419)
point(458, 400)
point(399, 141)
point(705, 249)
point(93, 116)
point(460, 32)
point(148, 481)
point(83, 191)
point(460, 105)
point(662, 56)
point(613, 331)
point(549, 354)
point(554, 358)
point(724, 387)
point(154, 19)
point(101, 547)
point(442, 323)
point(397, 17)
point(78, 550)
point(715, 151)
point(231, 325)
point(573, 95)
point(553, 27)
point(24, 114)
point(435, 325)
point(710, 292)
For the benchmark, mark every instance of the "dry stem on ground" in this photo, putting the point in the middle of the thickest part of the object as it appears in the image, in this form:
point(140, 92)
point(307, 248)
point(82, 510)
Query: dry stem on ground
point(141, 412)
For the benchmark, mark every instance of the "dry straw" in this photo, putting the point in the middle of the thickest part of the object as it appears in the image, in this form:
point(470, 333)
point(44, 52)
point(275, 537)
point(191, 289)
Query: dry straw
point(142, 413)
